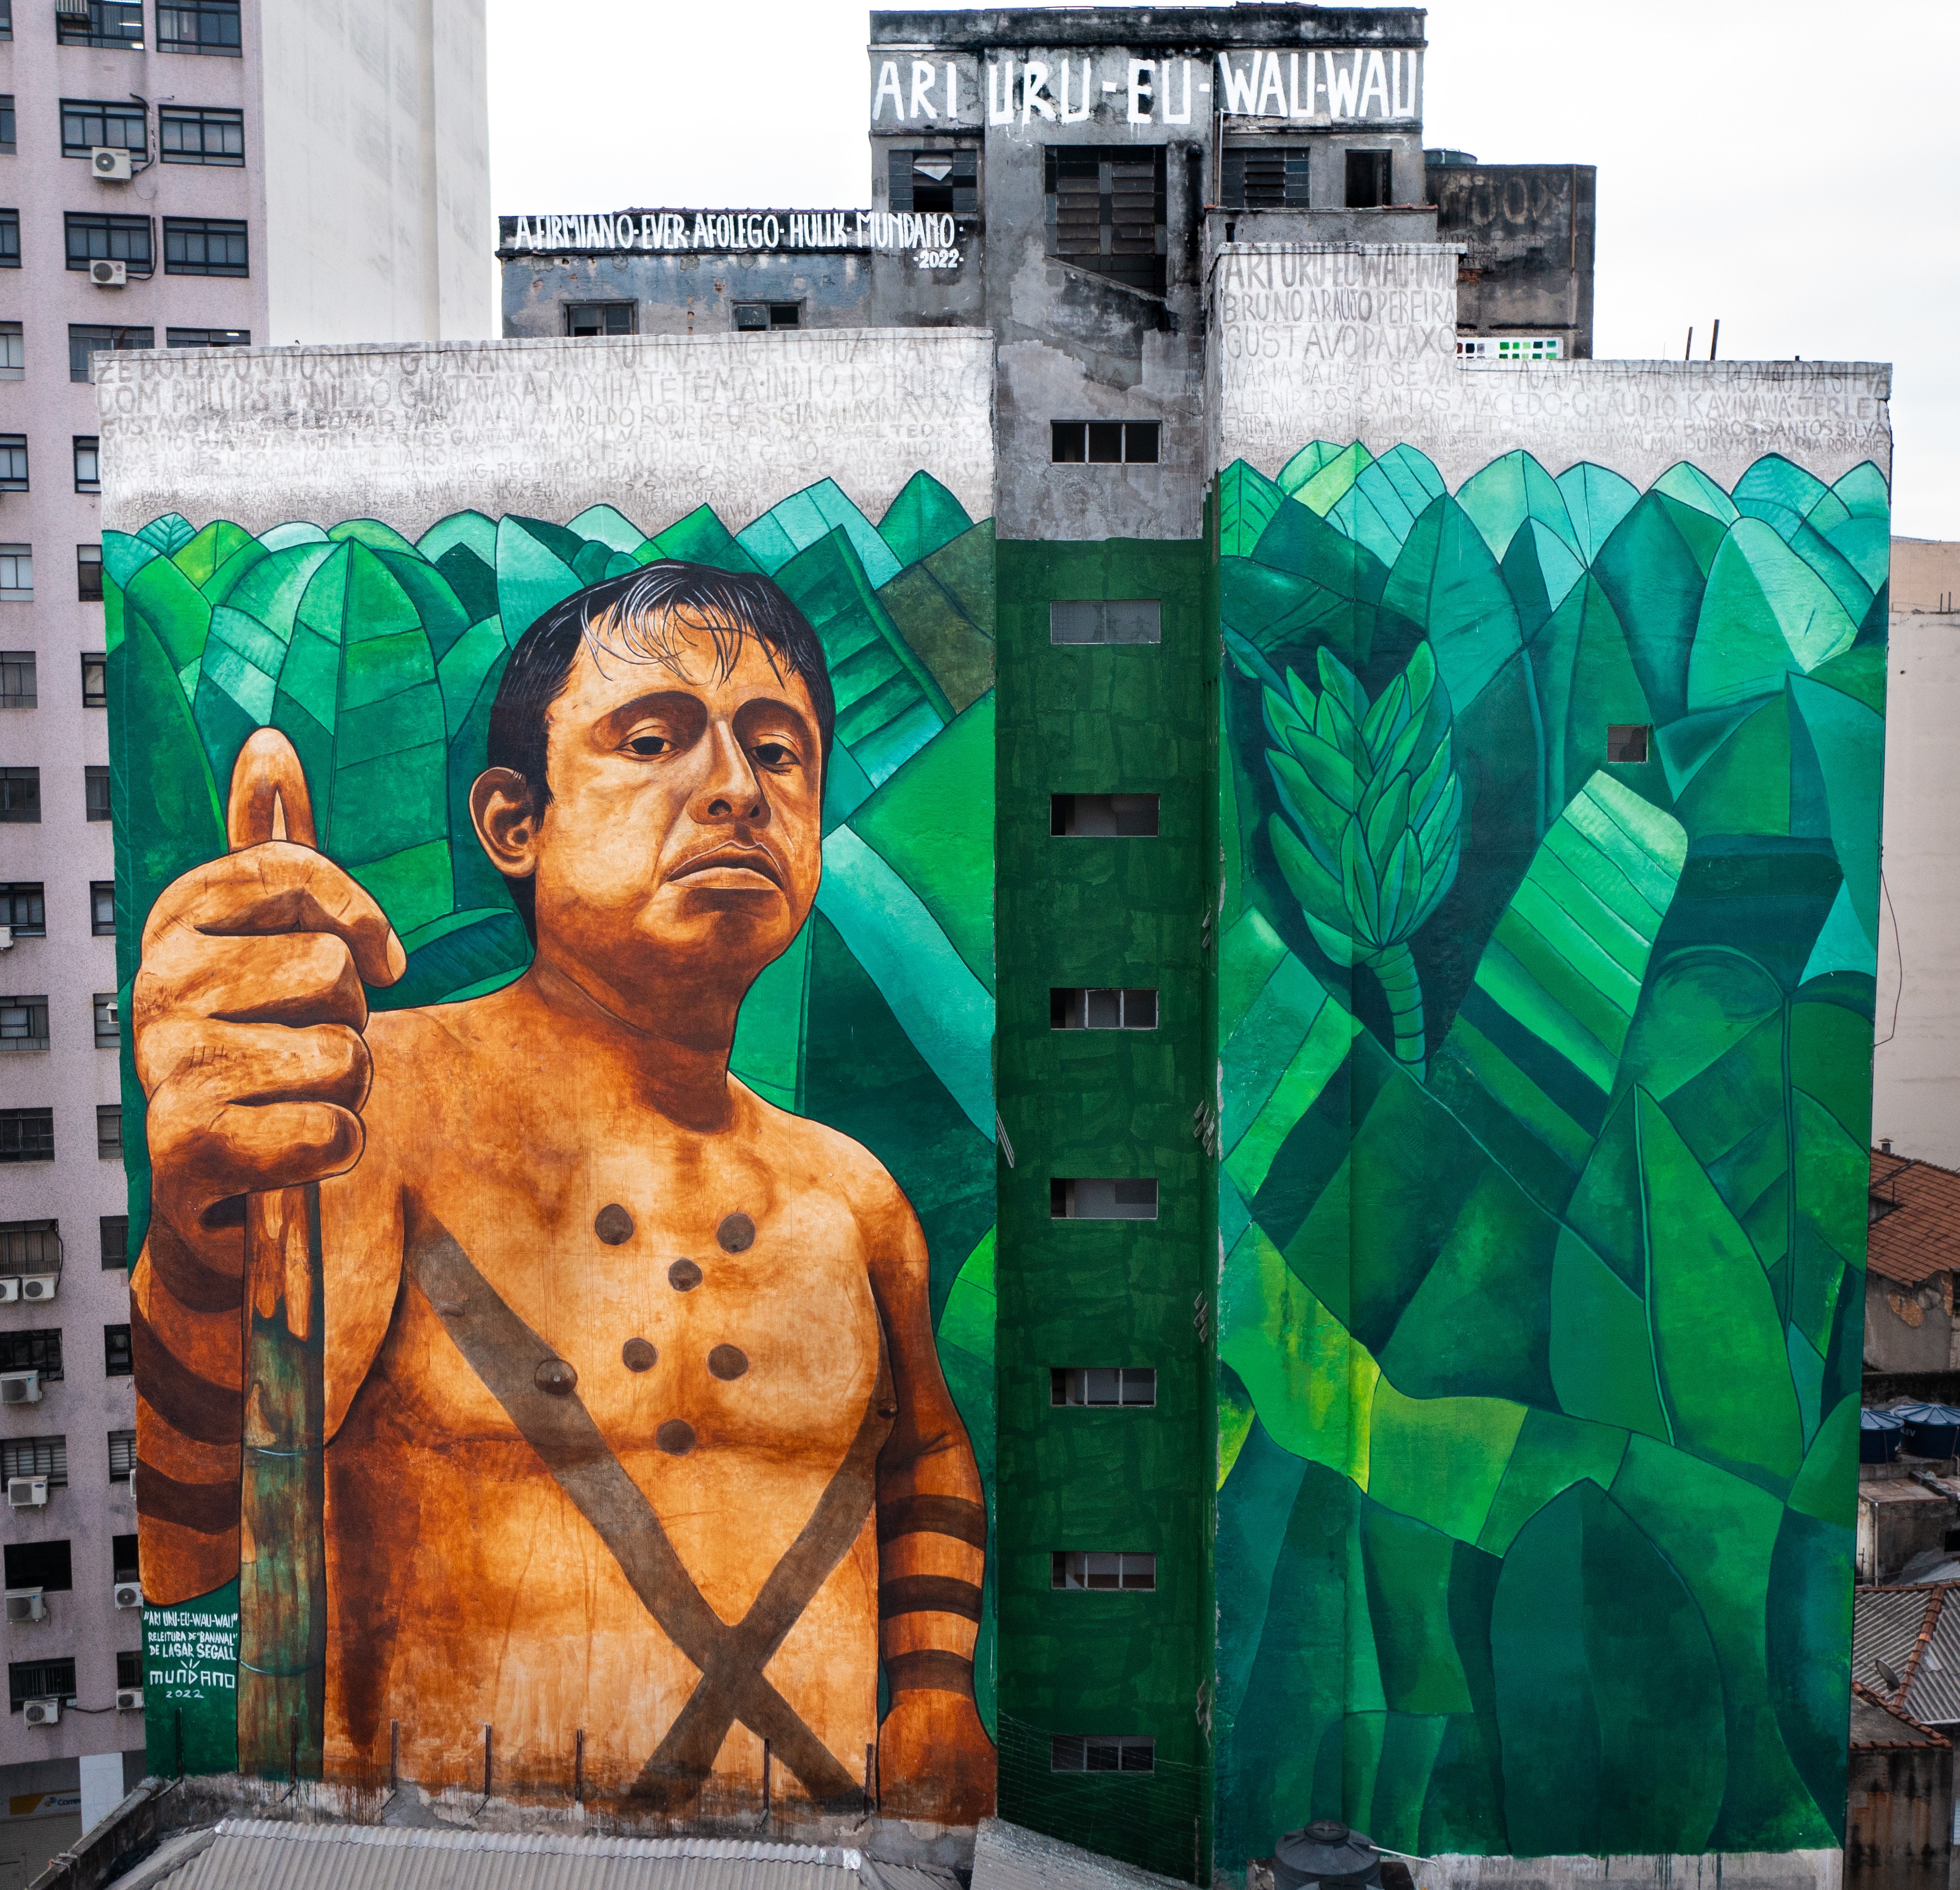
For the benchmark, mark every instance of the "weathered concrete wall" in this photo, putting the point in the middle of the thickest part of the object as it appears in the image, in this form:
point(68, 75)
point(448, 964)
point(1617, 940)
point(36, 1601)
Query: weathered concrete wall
point(689, 294)
point(1527, 232)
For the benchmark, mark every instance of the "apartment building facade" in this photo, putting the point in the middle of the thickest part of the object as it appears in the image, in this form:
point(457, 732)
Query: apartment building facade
point(203, 175)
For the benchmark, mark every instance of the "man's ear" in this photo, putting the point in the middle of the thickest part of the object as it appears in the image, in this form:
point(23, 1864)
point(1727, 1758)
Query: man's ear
point(507, 818)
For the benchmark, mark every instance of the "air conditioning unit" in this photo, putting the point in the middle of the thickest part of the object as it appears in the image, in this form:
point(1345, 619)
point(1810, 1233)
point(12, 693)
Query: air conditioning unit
point(128, 1594)
point(37, 1286)
point(105, 274)
point(25, 1605)
point(110, 163)
point(129, 1699)
point(26, 1492)
point(6, 938)
point(9, 1291)
point(20, 1387)
point(42, 1712)
point(72, 9)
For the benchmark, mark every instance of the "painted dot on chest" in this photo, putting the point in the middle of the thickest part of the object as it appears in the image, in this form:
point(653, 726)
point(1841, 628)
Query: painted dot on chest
point(639, 1355)
point(736, 1234)
point(683, 1276)
point(613, 1225)
point(727, 1361)
point(676, 1436)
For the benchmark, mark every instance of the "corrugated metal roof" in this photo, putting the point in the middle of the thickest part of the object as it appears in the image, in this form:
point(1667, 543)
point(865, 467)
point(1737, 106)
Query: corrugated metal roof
point(258, 1854)
point(1877, 1727)
point(1915, 1630)
point(1920, 1236)
point(1011, 1857)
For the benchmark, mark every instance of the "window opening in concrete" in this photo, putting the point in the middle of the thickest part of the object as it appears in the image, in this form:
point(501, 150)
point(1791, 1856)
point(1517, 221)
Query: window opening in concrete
point(101, 907)
point(95, 793)
point(1070, 1009)
point(942, 180)
point(1106, 211)
point(88, 585)
point(205, 245)
point(1103, 816)
point(122, 1455)
point(47, 1566)
point(204, 337)
point(129, 1665)
point(85, 342)
point(198, 135)
point(1109, 1569)
point(752, 317)
point(1371, 179)
point(1106, 620)
point(29, 1246)
point(198, 25)
point(1102, 1385)
point(95, 239)
point(40, 1680)
point(115, 1237)
point(115, 25)
point(13, 462)
point(86, 122)
point(600, 318)
point(10, 239)
point(24, 907)
point(1104, 442)
point(35, 1456)
point(39, 1350)
point(1102, 1198)
point(108, 1132)
point(13, 353)
point(1265, 176)
point(1102, 1752)
point(123, 1561)
point(94, 663)
point(1627, 741)
point(118, 1360)
point(26, 1135)
point(20, 795)
point(23, 1024)
point(108, 1026)
point(17, 679)
point(6, 121)
point(88, 462)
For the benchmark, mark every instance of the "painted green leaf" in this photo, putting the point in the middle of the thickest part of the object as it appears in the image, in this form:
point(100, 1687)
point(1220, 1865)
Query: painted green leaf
point(1689, 485)
point(531, 576)
point(1247, 501)
point(1596, 499)
point(1447, 584)
point(804, 518)
point(295, 531)
point(1331, 483)
point(174, 607)
point(1766, 614)
point(608, 526)
point(1849, 742)
point(923, 516)
point(1380, 509)
point(1653, 568)
point(441, 613)
point(1305, 463)
point(456, 953)
point(1499, 497)
point(216, 545)
point(371, 533)
point(1602, 1364)
point(943, 608)
point(168, 534)
point(472, 530)
point(701, 539)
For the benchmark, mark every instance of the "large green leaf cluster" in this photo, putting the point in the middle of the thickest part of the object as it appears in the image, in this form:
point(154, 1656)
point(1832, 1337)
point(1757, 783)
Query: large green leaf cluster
point(1539, 1391)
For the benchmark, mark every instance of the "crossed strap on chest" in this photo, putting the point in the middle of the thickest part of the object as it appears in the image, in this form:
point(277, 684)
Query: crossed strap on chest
point(505, 1354)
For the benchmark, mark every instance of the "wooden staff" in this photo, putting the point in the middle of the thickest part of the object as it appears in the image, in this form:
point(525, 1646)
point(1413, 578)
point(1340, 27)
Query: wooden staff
point(282, 1558)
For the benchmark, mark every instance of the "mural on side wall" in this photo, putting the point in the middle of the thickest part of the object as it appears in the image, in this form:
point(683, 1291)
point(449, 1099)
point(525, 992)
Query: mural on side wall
point(562, 1028)
point(1550, 810)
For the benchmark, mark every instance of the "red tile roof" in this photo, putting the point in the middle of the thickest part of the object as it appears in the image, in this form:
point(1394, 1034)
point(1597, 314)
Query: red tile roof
point(1920, 1236)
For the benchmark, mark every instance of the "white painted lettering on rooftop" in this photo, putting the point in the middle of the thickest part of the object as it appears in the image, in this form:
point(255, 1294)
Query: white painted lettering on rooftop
point(724, 231)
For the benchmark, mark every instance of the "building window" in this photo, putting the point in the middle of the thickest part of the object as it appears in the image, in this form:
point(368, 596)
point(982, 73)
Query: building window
point(936, 180)
point(6, 19)
point(26, 1135)
point(108, 1026)
point(10, 239)
point(23, 1024)
point(1265, 176)
point(1102, 1752)
point(1073, 1009)
point(122, 1455)
point(29, 1246)
point(194, 135)
point(93, 239)
point(117, 24)
point(1102, 1385)
point(17, 573)
point(1103, 442)
point(1103, 1199)
point(101, 907)
point(47, 1566)
point(87, 122)
point(1102, 816)
point(115, 1232)
point(1106, 211)
point(1105, 1569)
point(17, 679)
point(40, 1680)
point(13, 462)
point(198, 26)
point(95, 793)
point(203, 246)
point(750, 316)
point(1371, 179)
point(119, 1361)
point(13, 353)
point(21, 795)
point(108, 1132)
point(600, 318)
point(94, 664)
point(208, 337)
point(88, 462)
point(1106, 620)
point(129, 1665)
point(85, 343)
point(39, 1350)
point(6, 121)
point(23, 907)
point(35, 1456)
point(1626, 742)
point(88, 586)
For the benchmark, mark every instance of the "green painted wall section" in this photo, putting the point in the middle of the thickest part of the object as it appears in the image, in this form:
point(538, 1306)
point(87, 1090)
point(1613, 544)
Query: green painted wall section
point(1130, 719)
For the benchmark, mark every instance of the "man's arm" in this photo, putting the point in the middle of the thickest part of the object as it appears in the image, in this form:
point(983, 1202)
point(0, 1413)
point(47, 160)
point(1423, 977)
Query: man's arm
point(935, 1759)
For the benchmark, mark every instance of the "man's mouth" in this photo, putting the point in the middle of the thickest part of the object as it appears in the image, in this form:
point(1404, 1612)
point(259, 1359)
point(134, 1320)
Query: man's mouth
point(730, 869)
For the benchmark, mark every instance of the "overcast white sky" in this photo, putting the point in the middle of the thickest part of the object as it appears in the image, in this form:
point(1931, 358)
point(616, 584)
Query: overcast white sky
point(1789, 166)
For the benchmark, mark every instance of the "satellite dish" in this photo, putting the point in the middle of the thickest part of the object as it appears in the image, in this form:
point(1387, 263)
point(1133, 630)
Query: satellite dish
point(1892, 1681)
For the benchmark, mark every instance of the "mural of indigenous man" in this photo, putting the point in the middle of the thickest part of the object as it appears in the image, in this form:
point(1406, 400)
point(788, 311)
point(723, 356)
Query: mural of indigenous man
point(632, 1444)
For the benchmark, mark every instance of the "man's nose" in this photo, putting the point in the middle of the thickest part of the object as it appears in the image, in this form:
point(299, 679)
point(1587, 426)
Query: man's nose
point(730, 790)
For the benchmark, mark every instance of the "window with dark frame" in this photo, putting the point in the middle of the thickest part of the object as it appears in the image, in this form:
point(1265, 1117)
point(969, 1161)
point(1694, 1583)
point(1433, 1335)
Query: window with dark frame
point(6, 121)
point(86, 341)
point(1098, 1386)
point(21, 796)
point(40, 1680)
point(122, 1455)
point(942, 180)
point(125, 1565)
point(205, 246)
point(600, 318)
point(17, 573)
point(1102, 1752)
point(198, 25)
point(114, 1236)
point(1106, 211)
point(200, 135)
point(1101, 1197)
point(1103, 816)
point(1071, 1009)
point(208, 337)
point(91, 238)
point(26, 1135)
point(88, 462)
point(47, 1566)
point(13, 462)
point(115, 26)
point(95, 793)
point(13, 353)
point(88, 584)
point(129, 1665)
point(1110, 1570)
point(1265, 176)
point(1371, 179)
point(108, 1025)
point(38, 1351)
point(121, 124)
point(1102, 620)
point(24, 907)
point(17, 689)
point(108, 1132)
point(23, 1024)
point(119, 1360)
point(35, 1457)
point(6, 19)
point(1104, 442)
point(94, 663)
point(751, 317)
point(101, 907)
point(1627, 742)
point(31, 1246)
point(10, 239)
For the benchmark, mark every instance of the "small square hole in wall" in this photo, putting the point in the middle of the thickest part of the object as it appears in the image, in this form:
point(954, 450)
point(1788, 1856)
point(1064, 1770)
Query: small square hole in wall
point(1627, 741)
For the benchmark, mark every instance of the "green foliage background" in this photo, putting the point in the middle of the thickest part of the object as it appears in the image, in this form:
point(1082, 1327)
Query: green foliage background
point(379, 658)
point(1539, 1376)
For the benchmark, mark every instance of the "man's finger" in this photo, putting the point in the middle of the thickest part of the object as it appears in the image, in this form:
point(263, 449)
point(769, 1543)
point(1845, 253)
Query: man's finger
point(302, 979)
point(279, 887)
point(254, 1063)
point(250, 1150)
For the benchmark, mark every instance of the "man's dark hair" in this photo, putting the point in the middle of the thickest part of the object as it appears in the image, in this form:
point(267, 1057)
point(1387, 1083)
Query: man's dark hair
point(654, 615)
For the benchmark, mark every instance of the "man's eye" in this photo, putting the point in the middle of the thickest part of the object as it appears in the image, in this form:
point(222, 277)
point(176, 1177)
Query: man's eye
point(775, 754)
point(647, 745)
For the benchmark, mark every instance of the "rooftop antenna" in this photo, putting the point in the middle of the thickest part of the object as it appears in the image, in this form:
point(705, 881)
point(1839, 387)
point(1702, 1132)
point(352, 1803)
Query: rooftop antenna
point(1688, 353)
point(1714, 338)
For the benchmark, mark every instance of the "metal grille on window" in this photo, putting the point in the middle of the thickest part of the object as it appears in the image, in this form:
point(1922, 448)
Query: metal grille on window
point(13, 461)
point(35, 1351)
point(1118, 1385)
point(1265, 176)
point(1105, 1569)
point(116, 25)
point(122, 1455)
point(115, 1235)
point(108, 1132)
point(94, 239)
point(936, 180)
point(1106, 211)
point(1103, 1753)
point(40, 1680)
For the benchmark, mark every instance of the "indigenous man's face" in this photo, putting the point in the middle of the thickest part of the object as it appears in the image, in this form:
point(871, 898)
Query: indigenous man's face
point(685, 827)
